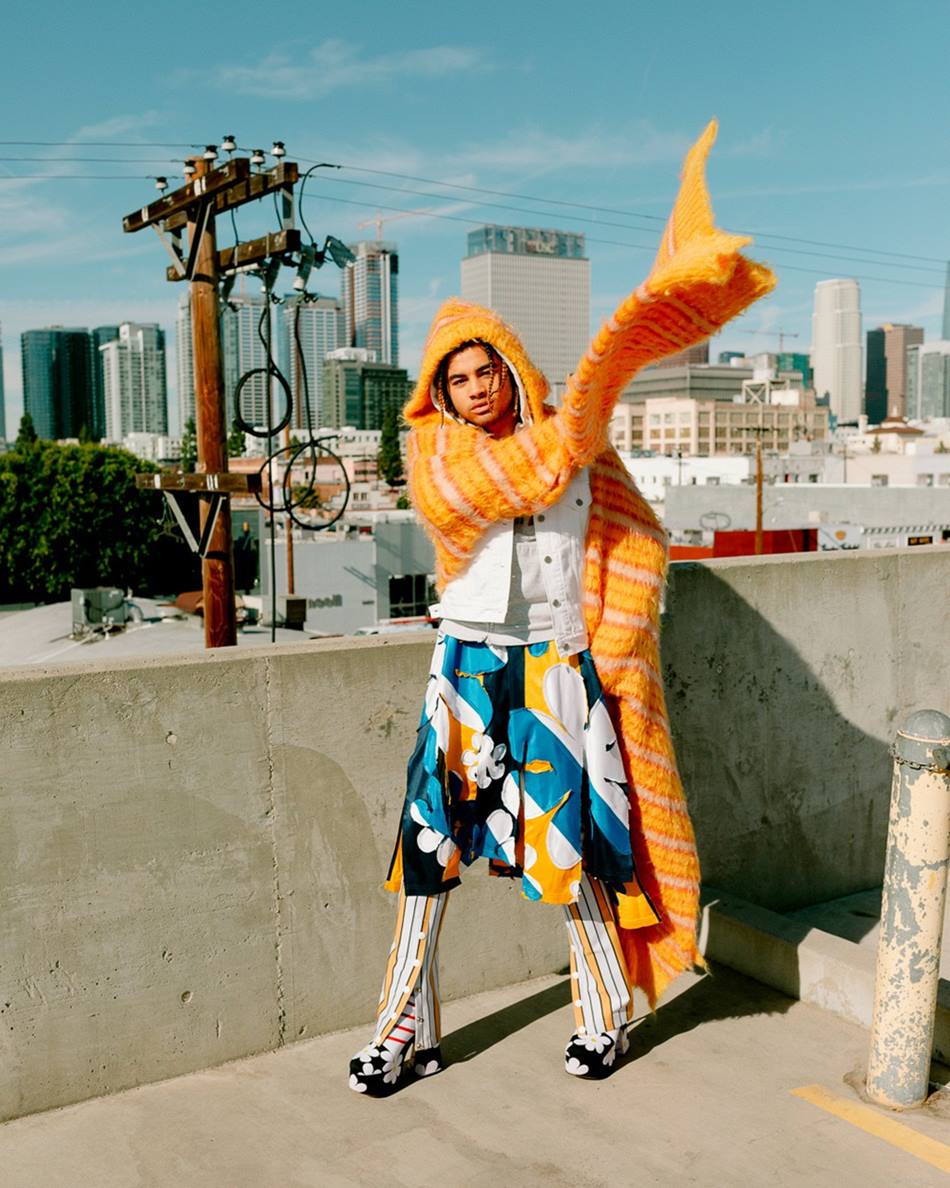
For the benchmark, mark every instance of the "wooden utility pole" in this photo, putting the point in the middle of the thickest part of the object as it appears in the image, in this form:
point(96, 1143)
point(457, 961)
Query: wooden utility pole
point(192, 208)
point(217, 565)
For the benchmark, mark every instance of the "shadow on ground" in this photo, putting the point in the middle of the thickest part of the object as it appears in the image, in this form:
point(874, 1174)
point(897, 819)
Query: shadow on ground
point(721, 994)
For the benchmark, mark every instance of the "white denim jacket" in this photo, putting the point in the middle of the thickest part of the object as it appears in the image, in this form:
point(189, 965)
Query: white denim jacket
point(480, 593)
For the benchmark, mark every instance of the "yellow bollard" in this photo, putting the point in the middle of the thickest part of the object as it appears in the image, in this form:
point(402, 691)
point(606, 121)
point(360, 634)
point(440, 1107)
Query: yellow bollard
point(915, 891)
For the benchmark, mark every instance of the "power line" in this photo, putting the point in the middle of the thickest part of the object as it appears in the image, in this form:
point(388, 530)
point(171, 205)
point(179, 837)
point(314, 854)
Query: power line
point(137, 177)
point(99, 160)
point(97, 144)
point(760, 235)
point(886, 280)
point(619, 226)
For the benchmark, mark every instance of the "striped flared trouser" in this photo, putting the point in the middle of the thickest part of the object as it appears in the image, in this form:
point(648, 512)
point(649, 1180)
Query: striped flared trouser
point(600, 984)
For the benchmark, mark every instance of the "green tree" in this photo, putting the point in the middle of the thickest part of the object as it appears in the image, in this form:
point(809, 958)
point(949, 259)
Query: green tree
point(26, 435)
point(236, 442)
point(72, 516)
point(85, 434)
point(389, 458)
point(189, 447)
point(402, 503)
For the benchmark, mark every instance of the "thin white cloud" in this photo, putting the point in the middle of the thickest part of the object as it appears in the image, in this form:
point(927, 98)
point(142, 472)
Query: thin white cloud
point(531, 147)
point(50, 219)
point(117, 126)
point(334, 65)
point(929, 308)
point(840, 187)
point(764, 143)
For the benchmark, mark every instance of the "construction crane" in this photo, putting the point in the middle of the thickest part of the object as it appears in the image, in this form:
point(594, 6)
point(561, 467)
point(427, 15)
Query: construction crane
point(780, 334)
point(380, 219)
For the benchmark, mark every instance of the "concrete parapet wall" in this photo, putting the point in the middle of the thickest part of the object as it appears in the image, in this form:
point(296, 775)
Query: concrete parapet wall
point(192, 848)
point(786, 680)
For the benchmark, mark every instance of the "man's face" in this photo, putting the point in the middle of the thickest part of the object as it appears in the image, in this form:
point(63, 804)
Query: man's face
point(477, 396)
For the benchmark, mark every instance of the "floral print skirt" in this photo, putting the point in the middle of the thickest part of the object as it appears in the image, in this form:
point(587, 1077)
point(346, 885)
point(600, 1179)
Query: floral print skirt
point(516, 760)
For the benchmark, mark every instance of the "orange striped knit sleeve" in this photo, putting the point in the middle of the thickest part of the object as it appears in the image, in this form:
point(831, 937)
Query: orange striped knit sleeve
point(699, 281)
point(462, 480)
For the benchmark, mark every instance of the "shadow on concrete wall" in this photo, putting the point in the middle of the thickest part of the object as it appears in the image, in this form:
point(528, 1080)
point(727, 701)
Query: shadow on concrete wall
point(788, 797)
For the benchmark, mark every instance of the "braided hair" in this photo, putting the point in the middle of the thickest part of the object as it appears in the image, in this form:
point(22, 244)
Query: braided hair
point(498, 369)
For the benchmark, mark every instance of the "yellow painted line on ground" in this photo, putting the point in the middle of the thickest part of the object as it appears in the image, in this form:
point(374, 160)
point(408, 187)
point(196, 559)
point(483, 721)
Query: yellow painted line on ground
point(882, 1127)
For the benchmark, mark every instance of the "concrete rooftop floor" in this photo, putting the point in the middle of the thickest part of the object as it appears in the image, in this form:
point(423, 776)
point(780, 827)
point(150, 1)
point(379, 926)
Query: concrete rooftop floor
point(706, 1097)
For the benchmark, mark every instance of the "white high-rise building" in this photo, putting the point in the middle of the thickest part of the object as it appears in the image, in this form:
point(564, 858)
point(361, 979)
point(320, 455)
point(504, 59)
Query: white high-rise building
point(241, 351)
point(320, 329)
point(244, 351)
point(185, 362)
point(539, 282)
point(370, 295)
point(837, 346)
point(133, 371)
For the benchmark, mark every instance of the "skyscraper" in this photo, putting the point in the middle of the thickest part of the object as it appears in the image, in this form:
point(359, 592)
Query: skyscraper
point(837, 346)
point(133, 369)
point(357, 389)
point(185, 363)
point(58, 386)
point(928, 380)
point(875, 377)
point(3, 415)
point(885, 389)
point(945, 332)
point(370, 294)
point(243, 351)
point(100, 336)
point(320, 329)
point(539, 281)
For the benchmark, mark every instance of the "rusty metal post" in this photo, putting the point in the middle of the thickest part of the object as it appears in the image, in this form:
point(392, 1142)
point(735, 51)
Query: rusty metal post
point(912, 910)
point(217, 571)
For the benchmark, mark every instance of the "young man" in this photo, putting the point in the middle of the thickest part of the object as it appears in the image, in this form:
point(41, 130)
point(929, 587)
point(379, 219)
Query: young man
point(544, 744)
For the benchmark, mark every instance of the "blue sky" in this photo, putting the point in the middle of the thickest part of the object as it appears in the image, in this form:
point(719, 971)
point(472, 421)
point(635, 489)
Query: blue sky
point(834, 128)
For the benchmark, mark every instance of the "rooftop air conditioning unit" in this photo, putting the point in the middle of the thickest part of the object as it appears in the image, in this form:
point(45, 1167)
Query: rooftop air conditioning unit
point(100, 608)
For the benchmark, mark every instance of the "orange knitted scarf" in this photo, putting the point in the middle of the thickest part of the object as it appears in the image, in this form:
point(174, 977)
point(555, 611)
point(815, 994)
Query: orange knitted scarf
point(462, 480)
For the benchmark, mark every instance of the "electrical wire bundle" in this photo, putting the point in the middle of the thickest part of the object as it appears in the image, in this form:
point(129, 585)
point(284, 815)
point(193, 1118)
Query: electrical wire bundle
point(297, 491)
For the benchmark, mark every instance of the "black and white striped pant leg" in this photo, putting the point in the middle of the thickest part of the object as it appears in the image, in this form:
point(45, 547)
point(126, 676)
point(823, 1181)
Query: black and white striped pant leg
point(412, 970)
point(600, 983)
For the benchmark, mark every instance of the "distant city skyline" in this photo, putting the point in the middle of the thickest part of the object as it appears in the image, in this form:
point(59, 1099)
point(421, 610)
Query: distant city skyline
point(849, 172)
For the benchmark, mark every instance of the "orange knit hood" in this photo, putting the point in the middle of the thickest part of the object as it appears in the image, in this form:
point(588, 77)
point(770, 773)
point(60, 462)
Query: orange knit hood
point(459, 321)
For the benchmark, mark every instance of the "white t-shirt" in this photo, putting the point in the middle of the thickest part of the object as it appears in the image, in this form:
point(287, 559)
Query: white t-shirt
point(528, 619)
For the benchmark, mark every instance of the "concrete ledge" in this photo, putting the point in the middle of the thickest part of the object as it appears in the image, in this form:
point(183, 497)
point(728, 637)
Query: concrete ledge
point(801, 961)
point(192, 846)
